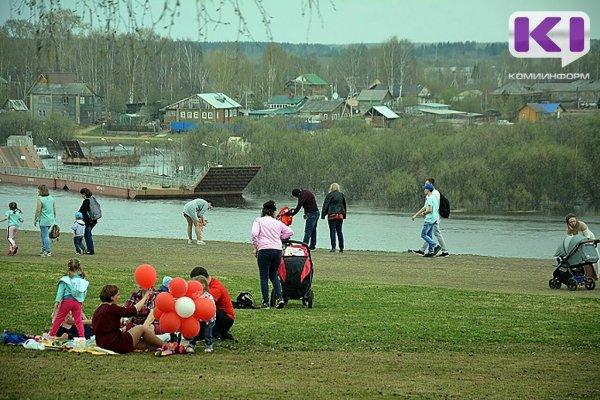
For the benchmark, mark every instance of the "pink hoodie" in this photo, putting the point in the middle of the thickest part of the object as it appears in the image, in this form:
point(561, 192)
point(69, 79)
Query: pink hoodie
point(267, 233)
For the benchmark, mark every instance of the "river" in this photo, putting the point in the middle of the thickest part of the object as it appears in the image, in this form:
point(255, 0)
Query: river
point(527, 235)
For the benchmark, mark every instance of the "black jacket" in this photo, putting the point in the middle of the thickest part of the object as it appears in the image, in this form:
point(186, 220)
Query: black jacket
point(335, 203)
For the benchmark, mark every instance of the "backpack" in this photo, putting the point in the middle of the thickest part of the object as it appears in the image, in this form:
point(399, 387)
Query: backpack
point(444, 206)
point(95, 212)
point(244, 300)
point(54, 232)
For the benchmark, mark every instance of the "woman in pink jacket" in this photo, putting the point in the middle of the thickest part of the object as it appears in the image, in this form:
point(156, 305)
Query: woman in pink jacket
point(267, 234)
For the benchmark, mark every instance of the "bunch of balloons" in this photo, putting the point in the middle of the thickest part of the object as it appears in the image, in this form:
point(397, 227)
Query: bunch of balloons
point(182, 307)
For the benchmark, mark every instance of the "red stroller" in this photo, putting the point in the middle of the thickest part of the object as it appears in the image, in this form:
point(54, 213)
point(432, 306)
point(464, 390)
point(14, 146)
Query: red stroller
point(295, 274)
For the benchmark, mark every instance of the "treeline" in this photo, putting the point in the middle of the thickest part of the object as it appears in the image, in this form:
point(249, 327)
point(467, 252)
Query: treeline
point(547, 167)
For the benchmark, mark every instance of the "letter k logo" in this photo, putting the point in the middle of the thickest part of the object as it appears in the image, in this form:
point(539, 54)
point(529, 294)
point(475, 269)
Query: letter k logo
point(539, 34)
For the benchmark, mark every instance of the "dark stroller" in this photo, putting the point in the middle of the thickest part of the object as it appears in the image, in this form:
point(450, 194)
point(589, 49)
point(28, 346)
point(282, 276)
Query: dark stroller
point(295, 273)
point(574, 256)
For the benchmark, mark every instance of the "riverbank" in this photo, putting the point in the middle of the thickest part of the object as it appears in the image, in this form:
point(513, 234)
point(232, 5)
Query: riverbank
point(384, 324)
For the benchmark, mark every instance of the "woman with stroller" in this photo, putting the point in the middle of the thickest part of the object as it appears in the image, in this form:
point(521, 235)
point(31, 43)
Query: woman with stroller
point(267, 234)
point(334, 208)
point(576, 227)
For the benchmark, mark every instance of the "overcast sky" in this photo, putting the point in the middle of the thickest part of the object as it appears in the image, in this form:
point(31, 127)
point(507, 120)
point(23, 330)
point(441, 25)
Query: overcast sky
point(343, 21)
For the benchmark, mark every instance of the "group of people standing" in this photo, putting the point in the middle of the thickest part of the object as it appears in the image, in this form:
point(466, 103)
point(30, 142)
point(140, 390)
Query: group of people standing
point(45, 218)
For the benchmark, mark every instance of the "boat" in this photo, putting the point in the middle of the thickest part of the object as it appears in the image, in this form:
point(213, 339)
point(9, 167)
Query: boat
point(73, 154)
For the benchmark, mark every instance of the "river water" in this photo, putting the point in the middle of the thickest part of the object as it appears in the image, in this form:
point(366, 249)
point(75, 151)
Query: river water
point(528, 236)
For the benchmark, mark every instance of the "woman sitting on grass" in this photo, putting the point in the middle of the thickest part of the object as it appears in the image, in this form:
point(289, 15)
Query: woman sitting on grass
point(106, 324)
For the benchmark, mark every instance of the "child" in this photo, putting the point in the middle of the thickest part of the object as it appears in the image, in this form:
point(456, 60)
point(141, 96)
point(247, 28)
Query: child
point(13, 215)
point(142, 315)
point(72, 289)
point(68, 330)
point(165, 284)
point(78, 233)
point(206, 326)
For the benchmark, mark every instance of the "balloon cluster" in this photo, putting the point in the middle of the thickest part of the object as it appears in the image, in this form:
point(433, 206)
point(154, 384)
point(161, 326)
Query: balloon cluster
point(182, 307)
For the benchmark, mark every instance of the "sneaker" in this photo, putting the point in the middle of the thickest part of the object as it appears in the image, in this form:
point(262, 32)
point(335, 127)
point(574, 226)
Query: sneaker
point(10, 253)
point(332, 251)
point(190, 241)
point(280, 303)
point(421, 252)
point(15, 249)
point(208, 349)
point(189, 349)
point(444, 254)
point(228, 336)
point(45, 254)
point(200, 242)
point(429, 255)
point(264, 306)
point(436, 249)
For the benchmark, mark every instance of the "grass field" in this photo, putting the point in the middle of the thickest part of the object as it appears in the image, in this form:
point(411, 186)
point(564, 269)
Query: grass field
point(384, 325)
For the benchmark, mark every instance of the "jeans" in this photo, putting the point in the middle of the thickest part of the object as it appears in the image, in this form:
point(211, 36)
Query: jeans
point(426, 235)
point(89, 241)
point(208, 337)
point(78, 242)
point(310, 229)
point(45, 235)
point(335, 227)
point(438, 235)
point(268, 263)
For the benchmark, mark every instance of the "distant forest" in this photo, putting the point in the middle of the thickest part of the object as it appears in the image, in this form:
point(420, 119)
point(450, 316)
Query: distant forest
point(141, 66)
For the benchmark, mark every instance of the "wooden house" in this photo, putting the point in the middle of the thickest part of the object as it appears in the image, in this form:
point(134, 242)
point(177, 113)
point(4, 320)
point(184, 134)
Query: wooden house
point(371, 97)
point(307, 85)
point(203, 108)
point(324, 111)
point(57, 93)
point(533, 112)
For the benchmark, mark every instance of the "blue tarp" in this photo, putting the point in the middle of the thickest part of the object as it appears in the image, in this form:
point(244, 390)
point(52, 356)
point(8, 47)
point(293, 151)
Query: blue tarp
point(549, 107)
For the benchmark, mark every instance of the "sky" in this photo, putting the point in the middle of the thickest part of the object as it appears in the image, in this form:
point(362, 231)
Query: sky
point(336, 21)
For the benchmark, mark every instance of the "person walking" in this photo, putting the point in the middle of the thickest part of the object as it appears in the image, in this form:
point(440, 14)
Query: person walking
point(267, 234)
point(334, 208)
point(436, 228)
point(307, 201)
point(13, 215)
point(90, 222)
point(45, 216)
point(78, 229)
point(430, 211)
point(193, 212)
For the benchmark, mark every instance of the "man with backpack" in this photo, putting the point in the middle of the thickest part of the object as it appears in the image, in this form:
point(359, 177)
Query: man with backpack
point(436, 227)
point(90, 209)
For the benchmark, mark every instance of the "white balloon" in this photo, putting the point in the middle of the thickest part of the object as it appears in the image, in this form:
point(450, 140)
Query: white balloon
point(185, 307)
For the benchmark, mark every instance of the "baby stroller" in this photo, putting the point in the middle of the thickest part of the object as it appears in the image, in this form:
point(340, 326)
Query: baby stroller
point(295, 273)
point(574, 256)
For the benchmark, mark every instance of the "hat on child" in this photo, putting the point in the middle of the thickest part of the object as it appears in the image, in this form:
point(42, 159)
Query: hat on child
point(166, 280)
point(78, 215)
point(270, 205)
point(428, 186)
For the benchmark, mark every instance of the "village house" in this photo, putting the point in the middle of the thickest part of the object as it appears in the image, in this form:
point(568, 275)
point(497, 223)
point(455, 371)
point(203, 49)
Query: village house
point(370, 97)
point(307, 85)
point(283, 101)
point(325, 111)
point(406, 91)
point(60, 93)
point(201, 108)
point(534, 112)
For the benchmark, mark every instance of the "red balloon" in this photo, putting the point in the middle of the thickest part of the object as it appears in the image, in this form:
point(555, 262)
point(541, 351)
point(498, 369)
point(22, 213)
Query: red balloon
point(165, 302)
point(189, 327)
point(194, 289)
point(205, 309)
point(170, 322)
point(145, 276)
point(177, 287)
point(157, 313)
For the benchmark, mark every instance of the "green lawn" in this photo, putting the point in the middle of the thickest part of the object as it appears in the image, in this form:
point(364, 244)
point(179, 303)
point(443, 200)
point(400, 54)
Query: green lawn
point(384, 325)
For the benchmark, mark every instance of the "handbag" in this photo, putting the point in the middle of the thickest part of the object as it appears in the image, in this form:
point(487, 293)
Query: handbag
point(335, 217)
